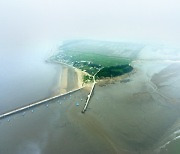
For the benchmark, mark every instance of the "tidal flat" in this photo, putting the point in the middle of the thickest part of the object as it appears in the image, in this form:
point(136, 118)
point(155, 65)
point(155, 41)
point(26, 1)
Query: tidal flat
point(118, 120)
point(138, 114)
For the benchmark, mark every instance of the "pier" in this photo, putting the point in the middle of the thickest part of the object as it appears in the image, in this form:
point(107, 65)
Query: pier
point(36, 104)
point(88, 98)
point(90, 94)
point(54, 97)
point(93, 86)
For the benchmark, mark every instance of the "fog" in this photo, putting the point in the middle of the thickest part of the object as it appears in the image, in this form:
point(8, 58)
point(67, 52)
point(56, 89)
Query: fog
point(30, 29)
point(40, 20)
point(143, 108)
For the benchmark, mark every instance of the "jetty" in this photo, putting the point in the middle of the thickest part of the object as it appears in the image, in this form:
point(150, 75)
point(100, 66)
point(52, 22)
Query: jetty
point(6, 114)
point(93, 86)
point(90, 94)
point(88, 98)
point(36, 104)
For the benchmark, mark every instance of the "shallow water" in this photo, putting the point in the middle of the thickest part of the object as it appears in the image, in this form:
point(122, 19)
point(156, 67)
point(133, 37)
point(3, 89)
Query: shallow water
point(139, 116)
point(125, 117)
point(25, 77)
point(48, 129)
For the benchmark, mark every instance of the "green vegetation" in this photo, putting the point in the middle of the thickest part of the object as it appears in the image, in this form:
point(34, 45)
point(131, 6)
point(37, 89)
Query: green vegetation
point(113, 71)
point(98, 59)
point(87, 78)
point(91, 63)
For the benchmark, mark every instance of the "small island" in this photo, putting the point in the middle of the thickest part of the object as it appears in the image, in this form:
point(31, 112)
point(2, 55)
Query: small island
point(98, 65)
point(92, 67)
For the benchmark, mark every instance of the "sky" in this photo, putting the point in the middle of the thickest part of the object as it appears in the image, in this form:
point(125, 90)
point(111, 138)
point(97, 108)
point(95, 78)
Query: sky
point(29, 21)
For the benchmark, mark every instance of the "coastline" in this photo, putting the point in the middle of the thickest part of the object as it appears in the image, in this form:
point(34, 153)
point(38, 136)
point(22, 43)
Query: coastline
point(122, 78)
point(71, 78)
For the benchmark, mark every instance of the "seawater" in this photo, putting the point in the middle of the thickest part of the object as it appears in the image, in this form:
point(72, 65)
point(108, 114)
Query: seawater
point(25, 77)
point(140, 116)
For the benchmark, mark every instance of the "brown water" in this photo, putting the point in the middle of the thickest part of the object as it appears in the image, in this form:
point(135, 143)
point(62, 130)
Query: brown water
point(25, 77)
point(131, 117)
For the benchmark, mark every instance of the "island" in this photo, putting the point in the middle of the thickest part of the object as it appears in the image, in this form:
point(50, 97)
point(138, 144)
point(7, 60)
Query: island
point(100, 65)
point(92, 67)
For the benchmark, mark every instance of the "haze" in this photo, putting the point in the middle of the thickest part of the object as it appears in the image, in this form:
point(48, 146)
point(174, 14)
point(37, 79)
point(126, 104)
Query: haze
point(40, 20)
point(29, 29)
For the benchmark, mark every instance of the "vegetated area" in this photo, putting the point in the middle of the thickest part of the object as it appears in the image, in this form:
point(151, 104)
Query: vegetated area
point(87, 78)
point(113, 71)
point(91, 63)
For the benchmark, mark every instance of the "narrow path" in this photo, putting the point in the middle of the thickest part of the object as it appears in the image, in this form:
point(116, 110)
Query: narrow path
point(51, 98)
point(88, 98)
point(90, 94)
point(35, 104)
point(93, 86)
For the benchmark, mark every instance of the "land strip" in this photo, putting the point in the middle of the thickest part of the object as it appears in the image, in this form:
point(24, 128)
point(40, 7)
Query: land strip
point(36, 104)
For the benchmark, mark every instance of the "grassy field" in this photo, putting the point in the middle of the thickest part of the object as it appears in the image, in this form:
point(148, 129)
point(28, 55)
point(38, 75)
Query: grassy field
point(91, 63)
point(103, 60)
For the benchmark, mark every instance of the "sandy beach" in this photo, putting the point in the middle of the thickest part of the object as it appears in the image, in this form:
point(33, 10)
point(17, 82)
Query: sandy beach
point(70, 79)
point(63, 80)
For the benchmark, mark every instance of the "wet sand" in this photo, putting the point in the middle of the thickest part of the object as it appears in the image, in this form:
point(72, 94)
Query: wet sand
point(70, 79)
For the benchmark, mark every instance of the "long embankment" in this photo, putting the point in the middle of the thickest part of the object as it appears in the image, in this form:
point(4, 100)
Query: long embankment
point(35, 104)
point(54, 97)
point(88, 98)
point(90, 94)
point(93, 86)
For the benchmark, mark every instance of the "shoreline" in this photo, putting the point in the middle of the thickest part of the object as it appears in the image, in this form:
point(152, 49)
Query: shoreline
point(72, 78)
point(64, 78)
point(63, 83)
point(67, 77)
